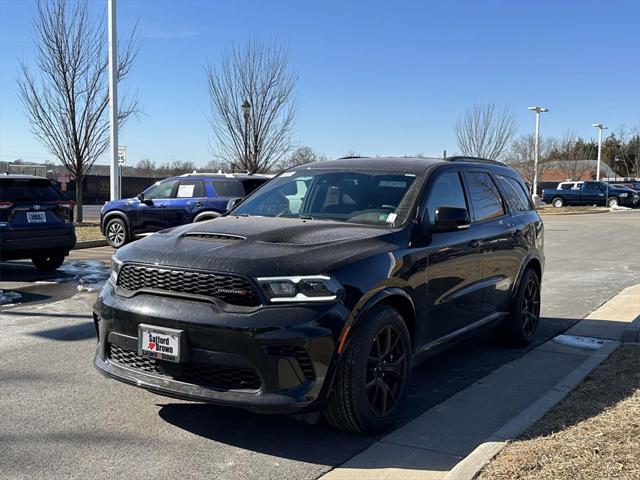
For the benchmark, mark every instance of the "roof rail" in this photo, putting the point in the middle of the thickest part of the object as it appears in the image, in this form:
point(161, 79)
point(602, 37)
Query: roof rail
point(473, 160)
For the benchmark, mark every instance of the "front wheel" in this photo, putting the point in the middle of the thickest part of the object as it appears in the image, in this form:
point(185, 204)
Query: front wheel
point(116, 232)
point(520, 326)
point(48, 264)
point(612, 202)
point(373, 374)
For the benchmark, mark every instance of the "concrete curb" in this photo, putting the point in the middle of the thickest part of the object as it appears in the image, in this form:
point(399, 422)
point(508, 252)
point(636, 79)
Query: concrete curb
point(90, 244)
point(468, 468)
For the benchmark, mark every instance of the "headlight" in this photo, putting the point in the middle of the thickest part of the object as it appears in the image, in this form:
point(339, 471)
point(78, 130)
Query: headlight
point(624, 194)
point(116, 264)
point(312, 288)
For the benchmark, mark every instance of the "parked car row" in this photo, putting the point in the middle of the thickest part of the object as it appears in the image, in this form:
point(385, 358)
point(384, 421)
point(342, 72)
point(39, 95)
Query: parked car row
point(322, 288)
point(174, 201)
point(591, 193)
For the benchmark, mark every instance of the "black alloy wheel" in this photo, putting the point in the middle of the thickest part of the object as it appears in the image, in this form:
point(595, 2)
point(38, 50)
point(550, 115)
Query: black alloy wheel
point(386, 370)
point(372, 374)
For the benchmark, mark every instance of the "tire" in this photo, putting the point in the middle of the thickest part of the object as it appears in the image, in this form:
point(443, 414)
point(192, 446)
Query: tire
point(116, 232)
point(48, 264)
point(613, 202)
point(367, 389)
point(558, 202)
point(519, 328)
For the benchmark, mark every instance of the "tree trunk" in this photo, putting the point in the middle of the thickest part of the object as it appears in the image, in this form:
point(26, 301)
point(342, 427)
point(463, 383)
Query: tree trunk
point(78, 215)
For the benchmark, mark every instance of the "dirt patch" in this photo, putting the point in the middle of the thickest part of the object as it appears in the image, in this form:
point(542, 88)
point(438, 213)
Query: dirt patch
point(593, 434)
point(88, 231)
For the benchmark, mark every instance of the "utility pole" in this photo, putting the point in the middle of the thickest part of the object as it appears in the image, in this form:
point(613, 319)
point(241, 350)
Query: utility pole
point(114, 170)
point(600, 127)
point(536, 153)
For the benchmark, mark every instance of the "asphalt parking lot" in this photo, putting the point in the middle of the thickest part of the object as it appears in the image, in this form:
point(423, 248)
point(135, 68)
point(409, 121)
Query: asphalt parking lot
point(61, 419)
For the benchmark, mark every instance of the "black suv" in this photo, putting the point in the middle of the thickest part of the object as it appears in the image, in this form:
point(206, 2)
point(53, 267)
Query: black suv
point(35, 221)
point(321, 289)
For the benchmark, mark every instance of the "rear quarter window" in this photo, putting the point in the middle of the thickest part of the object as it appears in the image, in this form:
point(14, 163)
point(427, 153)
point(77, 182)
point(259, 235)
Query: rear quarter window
point(228, 188)
point(26, 190)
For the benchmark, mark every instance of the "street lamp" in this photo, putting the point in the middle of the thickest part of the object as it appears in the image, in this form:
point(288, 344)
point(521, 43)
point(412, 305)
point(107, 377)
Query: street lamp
point(246, 110)
point(600, 127)
point(536, 154)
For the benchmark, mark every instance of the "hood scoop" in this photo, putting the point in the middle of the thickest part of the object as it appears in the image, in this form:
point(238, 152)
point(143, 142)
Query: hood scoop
point(218, 237)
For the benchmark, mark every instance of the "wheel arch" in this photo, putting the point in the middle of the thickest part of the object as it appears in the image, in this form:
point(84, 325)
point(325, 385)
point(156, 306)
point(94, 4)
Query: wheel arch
point(114, 213)
point(392, 296)
point(533, 262)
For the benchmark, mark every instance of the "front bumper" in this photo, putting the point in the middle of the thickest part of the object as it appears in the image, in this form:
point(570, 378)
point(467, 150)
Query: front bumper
point(276, 359)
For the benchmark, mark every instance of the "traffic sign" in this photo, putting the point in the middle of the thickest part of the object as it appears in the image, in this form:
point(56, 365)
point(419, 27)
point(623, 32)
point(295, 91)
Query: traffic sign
point(122, 155)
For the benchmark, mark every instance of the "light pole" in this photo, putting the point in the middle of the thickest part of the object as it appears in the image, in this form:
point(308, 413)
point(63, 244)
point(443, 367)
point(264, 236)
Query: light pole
point(246, 110)
point(536, 154)
point(600, 127)
point(114, 167)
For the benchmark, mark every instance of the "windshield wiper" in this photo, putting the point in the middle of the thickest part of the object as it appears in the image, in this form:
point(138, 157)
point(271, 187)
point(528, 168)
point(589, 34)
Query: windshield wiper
point(305, 217)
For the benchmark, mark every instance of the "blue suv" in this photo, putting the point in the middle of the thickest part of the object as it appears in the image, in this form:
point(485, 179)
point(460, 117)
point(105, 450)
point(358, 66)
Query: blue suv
point(174, 201)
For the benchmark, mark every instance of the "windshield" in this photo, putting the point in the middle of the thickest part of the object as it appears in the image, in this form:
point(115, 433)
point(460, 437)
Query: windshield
point(363, 197)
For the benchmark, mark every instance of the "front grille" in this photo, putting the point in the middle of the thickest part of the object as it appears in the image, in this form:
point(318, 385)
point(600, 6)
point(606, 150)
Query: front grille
point(301, 356)
point(209, 376)
point(233, 290)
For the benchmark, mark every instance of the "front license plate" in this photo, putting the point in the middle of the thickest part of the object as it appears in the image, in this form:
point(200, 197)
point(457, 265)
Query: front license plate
point(159, 343)
point(36, 217)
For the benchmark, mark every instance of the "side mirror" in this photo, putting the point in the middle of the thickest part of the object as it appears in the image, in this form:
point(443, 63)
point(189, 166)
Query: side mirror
point(450, 219)
point(140, 197)
point(233, 202)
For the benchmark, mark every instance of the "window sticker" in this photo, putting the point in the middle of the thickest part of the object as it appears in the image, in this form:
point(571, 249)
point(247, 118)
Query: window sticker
point(383, 216)
point(391, 218)
point(185, 191)
point(392, 184)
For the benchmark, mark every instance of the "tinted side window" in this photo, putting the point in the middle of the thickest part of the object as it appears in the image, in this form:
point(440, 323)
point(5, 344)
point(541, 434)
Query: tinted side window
point(522, 192)
point(513, 194)
point(251, 185)
point(446, 191)
point(161, 191)
point(484, 195)
point(190, 189)
point(228, 188)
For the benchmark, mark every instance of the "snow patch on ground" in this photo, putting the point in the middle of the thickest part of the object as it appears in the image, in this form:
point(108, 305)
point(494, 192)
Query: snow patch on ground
point(579, 342)
point(9, 298)
point(90, 274)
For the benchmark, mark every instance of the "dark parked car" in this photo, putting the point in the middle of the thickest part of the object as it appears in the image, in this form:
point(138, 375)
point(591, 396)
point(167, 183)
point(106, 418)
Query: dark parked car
point(296, 303)
point(35, 221)
point(591, 193)
point(174, 201)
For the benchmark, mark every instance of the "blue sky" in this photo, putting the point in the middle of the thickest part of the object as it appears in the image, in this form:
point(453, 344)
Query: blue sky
point(375, 77)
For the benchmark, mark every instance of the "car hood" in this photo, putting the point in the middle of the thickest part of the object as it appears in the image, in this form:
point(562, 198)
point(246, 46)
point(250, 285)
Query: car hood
point(261, 246)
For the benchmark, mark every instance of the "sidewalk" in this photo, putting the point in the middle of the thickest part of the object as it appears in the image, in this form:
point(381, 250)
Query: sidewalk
point(457, 437)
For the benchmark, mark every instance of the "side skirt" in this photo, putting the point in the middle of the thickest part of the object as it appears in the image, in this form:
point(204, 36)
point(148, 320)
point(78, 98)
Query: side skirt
point(435, 346)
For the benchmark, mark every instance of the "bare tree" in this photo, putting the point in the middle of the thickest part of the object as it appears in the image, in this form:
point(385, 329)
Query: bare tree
point(300, 156)
point(217, 165)
point(66, 100)
point(146, 166)
point(521, 156)
point(484, 132)
point(568, 155)
point(256, 73)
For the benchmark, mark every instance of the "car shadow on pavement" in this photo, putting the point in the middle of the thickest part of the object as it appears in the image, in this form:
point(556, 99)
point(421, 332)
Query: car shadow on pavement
point(69, 333)
point(432, 382)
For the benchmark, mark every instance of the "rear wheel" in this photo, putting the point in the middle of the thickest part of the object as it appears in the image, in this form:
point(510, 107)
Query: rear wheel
point(372, 376)
point(48, 264)
point(557, 202)
point(116, 232)
point(520, 327)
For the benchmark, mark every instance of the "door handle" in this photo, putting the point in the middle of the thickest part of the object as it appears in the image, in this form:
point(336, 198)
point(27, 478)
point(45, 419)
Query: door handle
point(473, 244)
point(198, 204)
